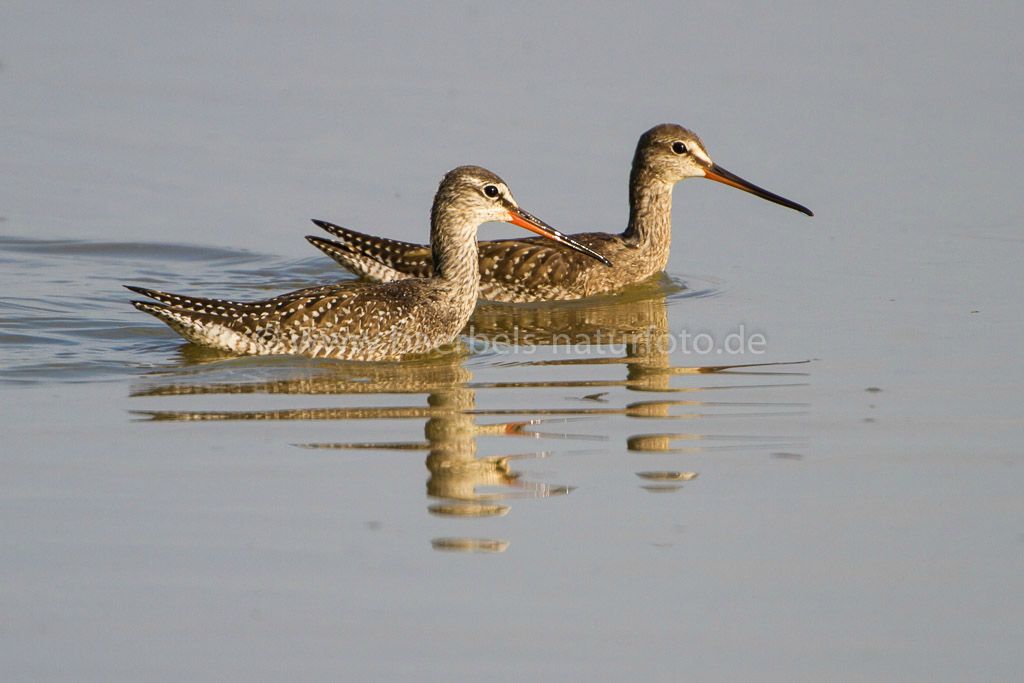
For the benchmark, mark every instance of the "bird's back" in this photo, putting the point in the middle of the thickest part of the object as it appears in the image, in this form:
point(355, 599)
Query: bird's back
point(513, 270)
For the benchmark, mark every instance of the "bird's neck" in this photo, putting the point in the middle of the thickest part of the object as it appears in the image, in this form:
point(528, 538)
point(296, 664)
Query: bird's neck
point(650, 214)
point(454, 251)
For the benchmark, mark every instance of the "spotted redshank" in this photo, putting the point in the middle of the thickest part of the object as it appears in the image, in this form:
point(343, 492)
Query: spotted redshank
point(519, 270)
point(368, 321)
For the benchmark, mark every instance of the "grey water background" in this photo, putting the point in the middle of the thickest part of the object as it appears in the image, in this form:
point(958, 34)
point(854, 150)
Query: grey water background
point(856, 518)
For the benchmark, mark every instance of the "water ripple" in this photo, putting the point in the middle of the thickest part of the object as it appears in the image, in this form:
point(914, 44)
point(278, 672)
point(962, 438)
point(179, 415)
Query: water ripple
point(514, 375)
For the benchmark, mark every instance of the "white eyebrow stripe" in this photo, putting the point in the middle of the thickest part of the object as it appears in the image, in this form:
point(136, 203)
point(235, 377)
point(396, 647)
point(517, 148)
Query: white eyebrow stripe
point(700, 154)
point(506, 194)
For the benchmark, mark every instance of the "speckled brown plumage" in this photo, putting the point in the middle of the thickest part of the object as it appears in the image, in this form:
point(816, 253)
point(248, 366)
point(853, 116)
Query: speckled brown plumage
point(532, 269)
point(361, 320)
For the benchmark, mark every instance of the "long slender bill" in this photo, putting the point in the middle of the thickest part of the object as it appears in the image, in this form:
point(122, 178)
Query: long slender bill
point(524, 220)
point(719, 174)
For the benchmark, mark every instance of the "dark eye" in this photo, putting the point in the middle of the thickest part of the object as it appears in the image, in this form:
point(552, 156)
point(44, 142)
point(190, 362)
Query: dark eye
point(678, 148)
point(491, 190)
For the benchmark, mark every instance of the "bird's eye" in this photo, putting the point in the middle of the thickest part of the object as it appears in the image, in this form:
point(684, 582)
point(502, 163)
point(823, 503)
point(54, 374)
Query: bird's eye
point(678, 147)
point(491, 190)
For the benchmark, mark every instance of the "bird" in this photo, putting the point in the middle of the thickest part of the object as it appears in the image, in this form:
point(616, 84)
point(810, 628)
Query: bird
point(530, 270)
point(368, 321)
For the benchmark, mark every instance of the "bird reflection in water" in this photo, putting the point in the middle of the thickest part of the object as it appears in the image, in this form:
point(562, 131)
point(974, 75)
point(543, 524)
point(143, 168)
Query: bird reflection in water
point(469, 485)
point(462, 483)
point(636, 321)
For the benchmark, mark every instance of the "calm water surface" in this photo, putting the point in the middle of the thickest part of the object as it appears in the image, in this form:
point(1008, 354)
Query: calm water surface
point(845, 506)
